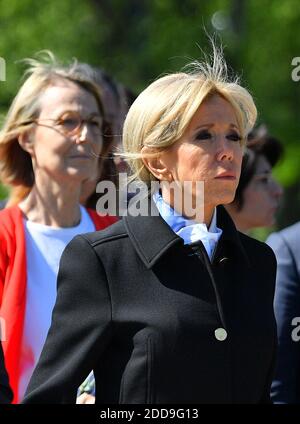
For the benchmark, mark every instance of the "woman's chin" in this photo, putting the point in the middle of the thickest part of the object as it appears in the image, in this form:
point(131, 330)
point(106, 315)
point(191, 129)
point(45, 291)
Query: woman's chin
point(226, 198)
point(81, 174)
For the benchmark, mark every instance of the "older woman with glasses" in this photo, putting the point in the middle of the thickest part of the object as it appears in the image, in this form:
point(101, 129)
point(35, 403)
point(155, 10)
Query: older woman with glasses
point(176, 305)
point(50, 145)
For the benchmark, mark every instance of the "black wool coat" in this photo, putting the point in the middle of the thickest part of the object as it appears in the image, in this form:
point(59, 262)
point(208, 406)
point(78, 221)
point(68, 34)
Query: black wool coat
point(157, 321)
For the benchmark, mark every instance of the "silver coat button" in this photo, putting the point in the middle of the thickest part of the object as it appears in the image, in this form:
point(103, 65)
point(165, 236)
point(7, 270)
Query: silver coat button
point(221, 334)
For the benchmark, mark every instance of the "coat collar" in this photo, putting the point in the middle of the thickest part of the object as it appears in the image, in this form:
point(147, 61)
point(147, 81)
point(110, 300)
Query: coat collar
point(152, 237)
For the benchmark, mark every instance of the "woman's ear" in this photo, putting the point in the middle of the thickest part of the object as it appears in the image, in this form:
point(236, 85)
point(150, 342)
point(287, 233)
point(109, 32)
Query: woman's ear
point(154, 162)
point(25, 140)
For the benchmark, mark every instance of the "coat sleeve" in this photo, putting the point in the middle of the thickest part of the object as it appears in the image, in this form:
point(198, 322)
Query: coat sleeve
point(272, 270)
point(6, 394)
point(267, 392)
point(3, 263)
point(80, 329)
point(287, 307)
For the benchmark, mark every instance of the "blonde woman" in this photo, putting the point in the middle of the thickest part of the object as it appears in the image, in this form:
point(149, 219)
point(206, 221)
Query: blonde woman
point(49, 146)
point(176, 308)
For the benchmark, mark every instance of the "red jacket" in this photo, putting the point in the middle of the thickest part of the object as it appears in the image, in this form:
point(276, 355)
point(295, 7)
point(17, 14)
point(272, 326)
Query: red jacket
point(13, 278)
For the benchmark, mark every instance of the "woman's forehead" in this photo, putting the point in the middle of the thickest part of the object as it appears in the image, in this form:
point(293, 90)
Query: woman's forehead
point(67, 94)
point(214, 109)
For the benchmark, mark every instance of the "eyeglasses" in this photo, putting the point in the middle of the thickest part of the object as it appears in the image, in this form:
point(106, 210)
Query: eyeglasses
point(70, 123)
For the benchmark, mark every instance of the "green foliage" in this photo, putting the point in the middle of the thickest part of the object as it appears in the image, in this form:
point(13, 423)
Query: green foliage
point(3, 192)
point(67, 28)
point(270, 44)
point(138, 40)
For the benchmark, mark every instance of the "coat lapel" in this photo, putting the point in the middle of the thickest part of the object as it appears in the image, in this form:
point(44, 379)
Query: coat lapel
point(152, 237)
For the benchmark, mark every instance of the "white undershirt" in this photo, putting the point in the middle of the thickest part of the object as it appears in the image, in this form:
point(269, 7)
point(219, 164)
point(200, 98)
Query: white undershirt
point(44, 247)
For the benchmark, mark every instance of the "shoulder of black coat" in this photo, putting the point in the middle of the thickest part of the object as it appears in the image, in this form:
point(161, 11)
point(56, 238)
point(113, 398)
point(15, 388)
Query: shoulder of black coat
point(256, 249)
point(113, 232)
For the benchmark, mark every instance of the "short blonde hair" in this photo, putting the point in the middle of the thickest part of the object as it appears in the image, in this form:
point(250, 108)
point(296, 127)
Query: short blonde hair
point(15, 163)
point(161, 113)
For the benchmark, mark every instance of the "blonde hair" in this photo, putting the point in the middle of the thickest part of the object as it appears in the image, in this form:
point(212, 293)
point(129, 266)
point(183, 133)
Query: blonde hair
point(15, 163)
point(161, 113)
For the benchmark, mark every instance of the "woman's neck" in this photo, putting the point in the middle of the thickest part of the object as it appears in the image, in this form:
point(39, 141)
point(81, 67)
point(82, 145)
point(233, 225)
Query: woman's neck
point(201, 213)
point(53, 204)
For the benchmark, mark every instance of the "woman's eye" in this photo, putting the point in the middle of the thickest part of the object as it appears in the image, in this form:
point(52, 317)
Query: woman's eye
point(234, 137)
point(264, 180)
point(69, 122)
point(96, 123)
point(203, 135)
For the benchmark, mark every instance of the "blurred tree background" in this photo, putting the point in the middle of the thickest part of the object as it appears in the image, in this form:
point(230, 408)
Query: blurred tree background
point(137, 40)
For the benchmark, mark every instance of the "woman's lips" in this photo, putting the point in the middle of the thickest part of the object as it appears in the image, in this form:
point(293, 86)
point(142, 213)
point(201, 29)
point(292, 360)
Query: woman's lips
point(225, 177)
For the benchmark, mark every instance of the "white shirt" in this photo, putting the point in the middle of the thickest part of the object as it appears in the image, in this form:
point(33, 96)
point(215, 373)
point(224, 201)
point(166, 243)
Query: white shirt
point(44, 247)
point(190, 231)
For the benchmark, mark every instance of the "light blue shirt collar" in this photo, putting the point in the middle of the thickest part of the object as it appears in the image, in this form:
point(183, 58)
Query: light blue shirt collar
point(189, 230)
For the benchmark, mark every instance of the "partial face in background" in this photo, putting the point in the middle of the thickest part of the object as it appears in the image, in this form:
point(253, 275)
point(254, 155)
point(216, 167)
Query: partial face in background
point(57, 151)
point(261, 197)
point(210, 151)
point(112, 109)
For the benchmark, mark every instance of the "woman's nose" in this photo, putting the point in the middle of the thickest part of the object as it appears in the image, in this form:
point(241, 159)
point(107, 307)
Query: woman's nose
point(277, 189)
point(225, 149)
point(83, 133)
point(86, 135)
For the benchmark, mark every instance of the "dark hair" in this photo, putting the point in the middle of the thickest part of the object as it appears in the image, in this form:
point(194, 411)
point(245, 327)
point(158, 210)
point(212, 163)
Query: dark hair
point(259, 143)
point(106, 161)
